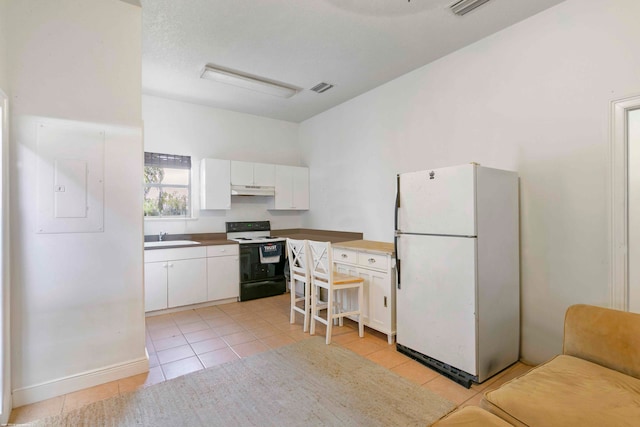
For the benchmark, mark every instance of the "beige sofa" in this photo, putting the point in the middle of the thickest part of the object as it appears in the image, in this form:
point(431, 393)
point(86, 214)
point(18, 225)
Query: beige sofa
point(594, 382)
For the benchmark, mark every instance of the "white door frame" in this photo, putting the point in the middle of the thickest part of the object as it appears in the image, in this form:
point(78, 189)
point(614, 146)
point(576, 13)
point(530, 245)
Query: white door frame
point(619, 268)
point(5, 329)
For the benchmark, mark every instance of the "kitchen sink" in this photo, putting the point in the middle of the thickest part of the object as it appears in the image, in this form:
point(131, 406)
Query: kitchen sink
point(170, 243)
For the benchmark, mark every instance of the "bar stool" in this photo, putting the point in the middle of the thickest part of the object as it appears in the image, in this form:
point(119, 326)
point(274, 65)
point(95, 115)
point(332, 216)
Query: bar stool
point(324, 277)
point(299, 273)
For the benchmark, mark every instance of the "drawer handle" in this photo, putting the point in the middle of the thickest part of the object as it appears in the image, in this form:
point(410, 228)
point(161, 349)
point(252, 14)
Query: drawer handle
point(343, 255)
point(385, 301)
point(372, 260)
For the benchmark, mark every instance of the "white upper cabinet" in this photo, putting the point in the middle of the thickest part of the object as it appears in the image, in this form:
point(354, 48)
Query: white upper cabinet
point(300, 188)
point(219, 179)
point(249, 173)
point(215, 184)
point(241, 173)
point(292, 188)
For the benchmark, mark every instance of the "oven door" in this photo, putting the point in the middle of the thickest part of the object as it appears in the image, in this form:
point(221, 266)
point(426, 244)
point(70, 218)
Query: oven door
point(258, 279)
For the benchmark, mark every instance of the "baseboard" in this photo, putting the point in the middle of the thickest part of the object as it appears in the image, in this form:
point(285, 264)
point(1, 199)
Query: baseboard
point(190, 307)
point(49, 389)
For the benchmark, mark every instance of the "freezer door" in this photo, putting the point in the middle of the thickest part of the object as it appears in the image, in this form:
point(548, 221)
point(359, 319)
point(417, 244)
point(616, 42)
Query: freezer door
point(438, 201)
point(436, 305)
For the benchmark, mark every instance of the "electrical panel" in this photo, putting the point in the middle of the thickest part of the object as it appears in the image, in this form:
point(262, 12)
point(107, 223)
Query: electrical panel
point(70, 179)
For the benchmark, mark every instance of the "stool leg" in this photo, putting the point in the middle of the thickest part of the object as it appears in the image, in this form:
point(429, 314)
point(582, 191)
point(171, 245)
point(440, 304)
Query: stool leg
point(312, 328)
point(360, 300)
point(292, 286)
point(329, 314)
point(307, 297)
point(341, 302)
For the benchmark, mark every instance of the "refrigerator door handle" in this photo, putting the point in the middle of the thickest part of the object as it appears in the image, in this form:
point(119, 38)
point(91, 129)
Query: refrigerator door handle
point(397, 232)
point(397, 202)
point(398, 269)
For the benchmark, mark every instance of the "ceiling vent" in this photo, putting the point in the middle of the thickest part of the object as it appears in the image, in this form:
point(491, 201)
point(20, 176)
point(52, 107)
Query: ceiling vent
point(463, 7)
point(322, 87)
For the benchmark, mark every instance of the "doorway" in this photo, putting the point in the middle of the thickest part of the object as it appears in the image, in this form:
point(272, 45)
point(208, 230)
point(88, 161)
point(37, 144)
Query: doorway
point(633, 196)
point(625, 211)
point(5, 384)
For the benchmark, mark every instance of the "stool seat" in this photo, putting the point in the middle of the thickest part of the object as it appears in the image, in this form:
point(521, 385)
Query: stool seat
point(345, 279)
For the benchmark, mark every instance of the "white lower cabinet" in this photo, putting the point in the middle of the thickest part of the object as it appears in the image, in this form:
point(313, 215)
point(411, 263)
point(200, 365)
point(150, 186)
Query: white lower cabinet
point(155, 286)
point(379, 286)
point(223, 272)
point(186, 282)
point(174, 277)
point(183, 276)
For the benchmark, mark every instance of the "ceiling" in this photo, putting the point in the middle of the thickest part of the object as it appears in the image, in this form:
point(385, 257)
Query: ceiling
point(355, 45)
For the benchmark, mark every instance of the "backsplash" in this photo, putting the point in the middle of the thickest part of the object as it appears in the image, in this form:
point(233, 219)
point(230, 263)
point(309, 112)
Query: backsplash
point(243, 208)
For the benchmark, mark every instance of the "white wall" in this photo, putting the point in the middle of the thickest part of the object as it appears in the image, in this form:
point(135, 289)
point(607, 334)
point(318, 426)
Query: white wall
point(77, 298)
point(3, 45)
point(204, 132)
point(533, 98)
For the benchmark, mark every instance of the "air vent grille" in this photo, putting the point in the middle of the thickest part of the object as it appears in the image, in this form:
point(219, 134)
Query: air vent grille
point(463, 7)
point(322, 87)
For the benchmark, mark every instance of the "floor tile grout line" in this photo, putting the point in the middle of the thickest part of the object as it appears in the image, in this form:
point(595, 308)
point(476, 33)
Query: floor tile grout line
point(278, 312)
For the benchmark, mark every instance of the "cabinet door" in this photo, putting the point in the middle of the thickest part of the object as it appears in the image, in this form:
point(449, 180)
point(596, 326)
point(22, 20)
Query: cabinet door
point(264, 174)
point(300, 188)
point(155, 286)
point(215, 184)
point(187, 282)
point(223, 278)
point(379, 300)
point(241, 173)
point(284, 194)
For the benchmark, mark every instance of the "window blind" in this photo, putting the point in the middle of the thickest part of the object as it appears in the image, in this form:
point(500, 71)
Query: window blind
point(167, 160)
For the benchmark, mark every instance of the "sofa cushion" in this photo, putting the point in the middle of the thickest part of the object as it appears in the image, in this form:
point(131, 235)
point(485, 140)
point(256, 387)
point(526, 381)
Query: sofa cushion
point(603, 336)
point(568, 391)
point(471, 416)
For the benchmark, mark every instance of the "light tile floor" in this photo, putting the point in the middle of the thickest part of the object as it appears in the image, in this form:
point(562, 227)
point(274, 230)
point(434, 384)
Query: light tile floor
point(191, 340)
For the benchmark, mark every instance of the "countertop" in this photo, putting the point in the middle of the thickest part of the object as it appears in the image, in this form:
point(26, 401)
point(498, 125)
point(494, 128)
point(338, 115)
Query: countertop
point(203, 239)
point(318, 235)
point(368, 246)
point(210, 239)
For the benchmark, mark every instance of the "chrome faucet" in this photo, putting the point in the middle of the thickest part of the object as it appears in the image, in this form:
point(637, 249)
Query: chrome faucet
point(162, 235)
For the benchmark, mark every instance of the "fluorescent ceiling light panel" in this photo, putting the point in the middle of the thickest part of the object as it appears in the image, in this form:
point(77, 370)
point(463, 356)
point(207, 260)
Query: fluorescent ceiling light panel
point(465, 6)
point(247, 81)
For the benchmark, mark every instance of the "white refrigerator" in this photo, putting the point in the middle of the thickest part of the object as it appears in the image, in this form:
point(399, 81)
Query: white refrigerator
point(458, 288)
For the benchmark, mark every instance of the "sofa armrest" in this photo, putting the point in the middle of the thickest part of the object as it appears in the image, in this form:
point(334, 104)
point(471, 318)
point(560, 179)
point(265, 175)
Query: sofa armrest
point(610, 338)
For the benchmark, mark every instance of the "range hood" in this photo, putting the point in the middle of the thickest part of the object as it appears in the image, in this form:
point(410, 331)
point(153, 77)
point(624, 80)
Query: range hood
point(252, 190)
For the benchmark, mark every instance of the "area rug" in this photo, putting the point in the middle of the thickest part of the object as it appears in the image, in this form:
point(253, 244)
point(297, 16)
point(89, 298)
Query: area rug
point(306, 383)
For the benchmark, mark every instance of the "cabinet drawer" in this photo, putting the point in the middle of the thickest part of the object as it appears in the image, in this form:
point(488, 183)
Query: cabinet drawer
point(222, 250)
point(156, 255)
point(345, 255)
point(369, 260)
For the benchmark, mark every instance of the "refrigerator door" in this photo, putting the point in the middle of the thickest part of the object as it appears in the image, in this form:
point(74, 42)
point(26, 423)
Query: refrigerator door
point(436, 305)
point(439, 201)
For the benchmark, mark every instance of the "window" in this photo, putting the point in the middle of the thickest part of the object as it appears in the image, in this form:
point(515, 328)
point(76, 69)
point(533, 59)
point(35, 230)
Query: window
point(167, 185)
